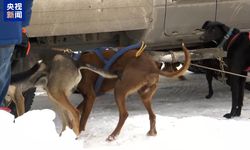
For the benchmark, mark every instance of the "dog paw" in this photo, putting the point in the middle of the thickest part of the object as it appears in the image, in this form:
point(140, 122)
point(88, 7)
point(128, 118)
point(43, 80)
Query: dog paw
point(235, 112)
point(152, 133)
point(228, 115)
point(208, 96)
point(110, 138)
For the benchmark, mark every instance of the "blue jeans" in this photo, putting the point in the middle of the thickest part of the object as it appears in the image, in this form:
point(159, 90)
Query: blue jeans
point(5, 69)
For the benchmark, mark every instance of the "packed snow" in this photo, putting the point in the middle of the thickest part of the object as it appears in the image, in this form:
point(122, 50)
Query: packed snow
point(185, 120)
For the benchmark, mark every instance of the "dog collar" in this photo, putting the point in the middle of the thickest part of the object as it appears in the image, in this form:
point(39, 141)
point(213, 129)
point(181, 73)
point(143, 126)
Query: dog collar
point(226, 37)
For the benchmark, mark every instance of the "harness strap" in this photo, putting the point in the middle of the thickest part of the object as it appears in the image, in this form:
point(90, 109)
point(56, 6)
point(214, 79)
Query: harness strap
point(142, 48)
point(248, 69)
point(108, 63)
point(232, 40)
point(99, 53)
point(28, 49)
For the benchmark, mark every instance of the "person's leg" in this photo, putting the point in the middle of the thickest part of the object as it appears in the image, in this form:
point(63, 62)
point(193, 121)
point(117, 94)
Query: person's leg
point(5, 69)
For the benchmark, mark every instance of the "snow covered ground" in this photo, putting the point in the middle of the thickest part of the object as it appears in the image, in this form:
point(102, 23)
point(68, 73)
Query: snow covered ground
point(185, 120)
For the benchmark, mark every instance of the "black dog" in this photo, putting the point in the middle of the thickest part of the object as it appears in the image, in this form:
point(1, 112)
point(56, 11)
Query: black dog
point(237, 45)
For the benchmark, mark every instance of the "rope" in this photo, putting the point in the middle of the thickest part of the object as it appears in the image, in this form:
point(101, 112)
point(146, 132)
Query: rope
point(209, 68)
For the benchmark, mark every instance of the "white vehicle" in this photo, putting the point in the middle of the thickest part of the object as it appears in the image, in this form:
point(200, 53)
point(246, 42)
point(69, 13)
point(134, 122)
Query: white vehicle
point(160, 23)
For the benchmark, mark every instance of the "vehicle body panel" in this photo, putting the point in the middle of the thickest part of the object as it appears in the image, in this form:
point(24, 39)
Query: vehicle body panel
point(160, 23)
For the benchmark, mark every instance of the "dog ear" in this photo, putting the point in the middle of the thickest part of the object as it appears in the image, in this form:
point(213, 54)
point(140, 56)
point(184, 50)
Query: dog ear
point(206, 24)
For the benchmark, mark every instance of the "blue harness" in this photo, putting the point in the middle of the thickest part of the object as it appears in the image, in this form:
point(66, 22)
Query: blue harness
point(108, 63)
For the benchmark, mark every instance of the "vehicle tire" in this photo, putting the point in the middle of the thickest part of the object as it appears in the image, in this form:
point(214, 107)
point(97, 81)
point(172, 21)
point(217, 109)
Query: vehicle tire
point(29, 96)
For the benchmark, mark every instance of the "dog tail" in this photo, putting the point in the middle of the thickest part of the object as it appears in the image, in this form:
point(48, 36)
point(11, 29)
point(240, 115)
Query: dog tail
point(19, 77)
point(99, 71)
point(183, 69)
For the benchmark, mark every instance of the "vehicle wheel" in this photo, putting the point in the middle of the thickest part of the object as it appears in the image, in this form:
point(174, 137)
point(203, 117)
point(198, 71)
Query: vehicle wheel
point(29, 96)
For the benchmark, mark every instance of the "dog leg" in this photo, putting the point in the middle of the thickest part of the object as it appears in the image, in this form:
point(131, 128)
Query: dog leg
point(60, 114)
point(241, 95)
point(146, 95)
point(19, 102)
point(87, 106)
point(120, 97)
point(241, 90)
point(236, 109)
point(237, 86)
point(82, 105)
point(209, 77)
point(81, 89)
point(65, 120)
point(62, 101)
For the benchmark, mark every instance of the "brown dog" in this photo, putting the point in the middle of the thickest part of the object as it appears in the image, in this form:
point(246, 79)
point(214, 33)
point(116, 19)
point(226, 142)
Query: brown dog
point(137, 75)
